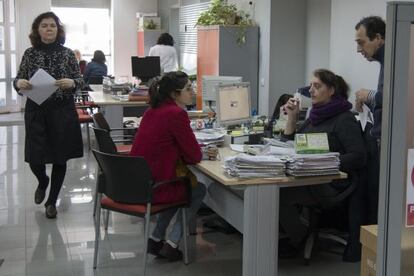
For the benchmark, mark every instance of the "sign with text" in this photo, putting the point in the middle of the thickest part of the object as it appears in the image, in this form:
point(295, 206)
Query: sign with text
point(410, 189)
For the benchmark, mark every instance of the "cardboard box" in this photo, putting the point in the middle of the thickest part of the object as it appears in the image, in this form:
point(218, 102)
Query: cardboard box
point(368, 239)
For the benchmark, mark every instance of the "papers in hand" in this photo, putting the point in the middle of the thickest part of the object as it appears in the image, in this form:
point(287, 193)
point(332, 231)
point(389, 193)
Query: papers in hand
point(43, 86)
point(365, 117)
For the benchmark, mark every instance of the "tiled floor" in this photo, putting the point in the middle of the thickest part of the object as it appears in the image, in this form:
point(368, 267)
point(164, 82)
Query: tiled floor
point(31, 244)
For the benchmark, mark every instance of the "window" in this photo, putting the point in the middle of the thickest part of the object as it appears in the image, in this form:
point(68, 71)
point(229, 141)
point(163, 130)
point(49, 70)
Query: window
point(87, 29)
point(9, 101)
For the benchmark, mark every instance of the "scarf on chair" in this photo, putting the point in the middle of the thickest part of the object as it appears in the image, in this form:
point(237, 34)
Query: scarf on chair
point(321, 113)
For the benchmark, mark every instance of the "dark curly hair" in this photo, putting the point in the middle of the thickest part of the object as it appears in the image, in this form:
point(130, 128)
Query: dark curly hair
point(34, 36)
point(374, 25)
point(99, 56)
point(333, 81)
point(165, 39)
point(162, 88)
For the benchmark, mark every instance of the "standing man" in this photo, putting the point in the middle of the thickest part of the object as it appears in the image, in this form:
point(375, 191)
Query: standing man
point(370, 39)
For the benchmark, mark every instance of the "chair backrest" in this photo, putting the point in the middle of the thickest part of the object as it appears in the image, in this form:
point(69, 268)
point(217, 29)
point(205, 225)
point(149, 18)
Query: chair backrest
point(95, 80)
point(100, 121)
point(104, 141)
point(127, 179)
point(346, 193)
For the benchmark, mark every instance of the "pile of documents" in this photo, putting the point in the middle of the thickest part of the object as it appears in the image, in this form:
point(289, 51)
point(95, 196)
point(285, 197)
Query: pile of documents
point(277, 143)
point(210, 136)
point(313, 164)
point(249, 166)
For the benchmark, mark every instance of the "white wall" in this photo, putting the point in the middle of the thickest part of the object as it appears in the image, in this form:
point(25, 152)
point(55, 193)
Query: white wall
point(124, 31)
point(282, 47)
point(164, 8)
point(26, 12)
point(318, 32)
point(287, 48)
point(344, 60)
point(264, 9)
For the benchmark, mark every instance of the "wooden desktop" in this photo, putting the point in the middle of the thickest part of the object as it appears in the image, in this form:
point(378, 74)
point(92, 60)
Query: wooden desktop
point(252, 207)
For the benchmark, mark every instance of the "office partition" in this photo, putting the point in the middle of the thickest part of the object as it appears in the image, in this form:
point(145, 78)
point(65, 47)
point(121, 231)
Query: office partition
point(396, 223)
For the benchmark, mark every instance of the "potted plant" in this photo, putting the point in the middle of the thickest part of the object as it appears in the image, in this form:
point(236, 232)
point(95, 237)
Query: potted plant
point(150, 25)
point(221, 13)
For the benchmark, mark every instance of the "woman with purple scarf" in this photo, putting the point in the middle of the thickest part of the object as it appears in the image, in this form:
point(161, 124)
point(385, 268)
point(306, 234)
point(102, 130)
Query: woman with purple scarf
point(330, 114)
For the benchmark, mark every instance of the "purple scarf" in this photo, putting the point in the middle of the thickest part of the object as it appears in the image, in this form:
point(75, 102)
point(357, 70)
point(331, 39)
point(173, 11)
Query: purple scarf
point(321, 113)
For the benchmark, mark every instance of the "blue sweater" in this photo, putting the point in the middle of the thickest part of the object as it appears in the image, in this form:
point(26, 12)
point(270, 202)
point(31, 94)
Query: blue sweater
point(95, 69)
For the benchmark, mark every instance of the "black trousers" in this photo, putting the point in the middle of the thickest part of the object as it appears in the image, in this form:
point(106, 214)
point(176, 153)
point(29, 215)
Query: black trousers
point(58, 175)
point(289, 213)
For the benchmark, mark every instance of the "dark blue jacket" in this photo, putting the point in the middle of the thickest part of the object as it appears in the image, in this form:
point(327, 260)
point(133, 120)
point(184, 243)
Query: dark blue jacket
point(95, 69)
point(376, 129)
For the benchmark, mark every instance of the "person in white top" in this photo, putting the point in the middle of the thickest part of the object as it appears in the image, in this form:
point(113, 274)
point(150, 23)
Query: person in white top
point(167, 53)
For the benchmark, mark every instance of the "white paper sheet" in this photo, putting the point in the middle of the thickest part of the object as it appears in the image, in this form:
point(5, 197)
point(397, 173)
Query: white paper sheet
point(237, 148)
point(43, 85)
point(365, 116)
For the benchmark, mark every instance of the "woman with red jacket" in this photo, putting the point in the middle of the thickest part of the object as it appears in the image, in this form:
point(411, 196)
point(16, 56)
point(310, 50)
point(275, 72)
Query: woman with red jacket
point(164, 137)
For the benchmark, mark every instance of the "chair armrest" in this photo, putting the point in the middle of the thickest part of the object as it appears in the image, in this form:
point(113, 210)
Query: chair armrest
point(124, 136)
point(187, 183)
point(123, 128)
point(82, 106)
point(122, 141)
point(184, 179)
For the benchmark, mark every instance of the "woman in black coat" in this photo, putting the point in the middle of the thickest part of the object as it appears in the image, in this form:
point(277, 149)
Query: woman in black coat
point(330, 114)
point(52, 128)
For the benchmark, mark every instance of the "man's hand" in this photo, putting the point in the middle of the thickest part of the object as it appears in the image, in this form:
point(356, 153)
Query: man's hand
point(23, 84)
point(65, 84)
point(361, 97)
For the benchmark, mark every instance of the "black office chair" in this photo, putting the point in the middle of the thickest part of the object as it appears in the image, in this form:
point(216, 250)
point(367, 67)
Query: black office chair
point(127, 189)
point(106, 144)
point(95, 80)
point(100, 122)
point(351, 197)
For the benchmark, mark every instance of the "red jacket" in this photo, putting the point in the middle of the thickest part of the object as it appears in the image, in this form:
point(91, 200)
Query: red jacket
point(163, 137)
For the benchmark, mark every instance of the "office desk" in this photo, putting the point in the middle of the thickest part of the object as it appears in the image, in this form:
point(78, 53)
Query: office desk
point(253, 209)
point(112, 108)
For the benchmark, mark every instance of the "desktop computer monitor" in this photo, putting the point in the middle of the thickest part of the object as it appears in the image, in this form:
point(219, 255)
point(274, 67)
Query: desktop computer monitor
point(233, 104)
point(146, 68)
point(209, 89)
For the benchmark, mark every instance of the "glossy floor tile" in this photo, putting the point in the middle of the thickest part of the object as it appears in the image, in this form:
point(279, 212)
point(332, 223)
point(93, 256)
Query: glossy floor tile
point(31, 244)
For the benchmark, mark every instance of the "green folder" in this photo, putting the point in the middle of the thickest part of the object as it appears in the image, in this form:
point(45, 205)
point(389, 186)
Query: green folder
point(311, 143)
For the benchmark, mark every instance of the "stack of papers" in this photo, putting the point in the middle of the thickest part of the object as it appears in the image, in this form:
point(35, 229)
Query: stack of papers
point(277, 143)
point(279, 151)
point(313, 164)
point(209, 136)
point(263, 150)
point(249, 166)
